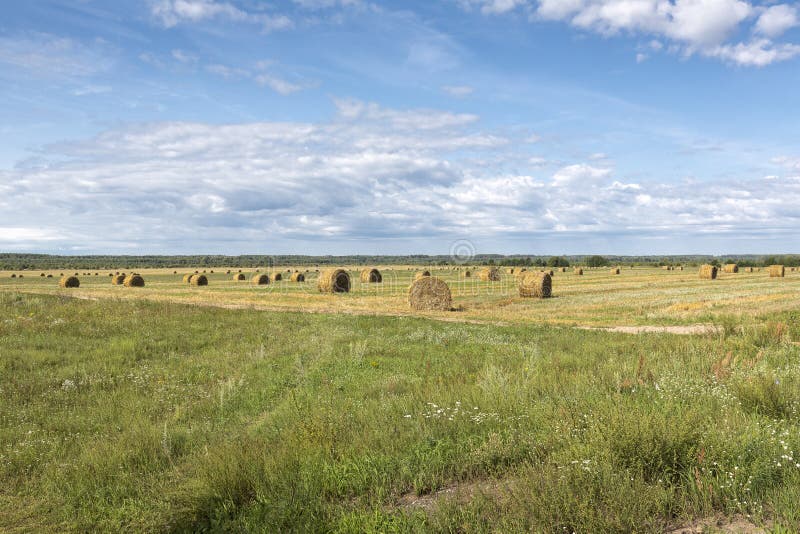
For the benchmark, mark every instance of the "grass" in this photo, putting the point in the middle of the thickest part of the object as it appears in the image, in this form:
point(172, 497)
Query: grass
point(641, 296)
point(155, 416)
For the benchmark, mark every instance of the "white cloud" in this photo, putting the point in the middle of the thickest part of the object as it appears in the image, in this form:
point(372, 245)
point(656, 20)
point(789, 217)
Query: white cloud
point(579, 173)
point(493, 7)
point(458, 91)
point(170, 13)
point(776, 20)
point(49, 56)
point(371, 173)
point(757, 53)
point(278, 85)
point(689, 26)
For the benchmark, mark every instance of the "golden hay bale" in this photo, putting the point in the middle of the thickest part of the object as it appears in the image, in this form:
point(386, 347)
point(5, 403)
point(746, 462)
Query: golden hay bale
point(199, 280)
point(133, 280)
point(297, 277)
point(510, 271)
point(333, 281)
point(174, 272)
point(228, 271)
point(467, 274)
point(69, 281)
point(730, 268)
point(708, 272)
point(489, 274)
point(118, 279)
point(13, 275)
point(615, 270)
point(371, 276)
point(748, 269)
point(259, 279)
point(550, 272)
point(538, 285)
point(680, 268)
point(777, 271)
point(49, 276)
point(187, 278)
point(22, 276)
point(277, 277)
point(578, 271)
point(563, 269)
point(42, 275)
point(422, 275)
point(666, 268)
point(429, 293)
point(239, 277)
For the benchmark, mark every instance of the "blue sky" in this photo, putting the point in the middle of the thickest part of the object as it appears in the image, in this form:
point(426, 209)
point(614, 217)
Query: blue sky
point(349, 126)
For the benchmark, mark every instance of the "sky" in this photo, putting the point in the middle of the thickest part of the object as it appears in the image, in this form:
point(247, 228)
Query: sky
point(400, 127)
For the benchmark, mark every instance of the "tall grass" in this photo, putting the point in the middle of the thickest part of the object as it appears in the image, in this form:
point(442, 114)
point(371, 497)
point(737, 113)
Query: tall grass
point(133, 415)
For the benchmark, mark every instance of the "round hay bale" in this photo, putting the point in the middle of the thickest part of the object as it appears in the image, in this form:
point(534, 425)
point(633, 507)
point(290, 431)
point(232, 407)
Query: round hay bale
point(187, 278)
point(228, 271)
point(748, 269)
point(42, 275)
point(730, 268)
point(239, 277)
point(777, 271)
point(536, 285)
point(260, 280)
point(510, 270)
point(430, 293)
point(133, 280)
point(69, 281)
point(199, 280)
point(489, 274)
point(422, 275)
point(13, 275)
point(22, 276)
point(562, 269)
point(49, 276)
point(578, 271)
point(334, 281)
point(298, 277)
point(708, 272)
point(110, 274)
point(467, 274)
point(118, 279)
point(277, 277)
point(371, 276)
point(615, 270)
point(174, 272)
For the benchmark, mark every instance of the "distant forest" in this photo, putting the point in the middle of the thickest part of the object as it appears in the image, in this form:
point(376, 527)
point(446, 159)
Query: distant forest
point(12, 262)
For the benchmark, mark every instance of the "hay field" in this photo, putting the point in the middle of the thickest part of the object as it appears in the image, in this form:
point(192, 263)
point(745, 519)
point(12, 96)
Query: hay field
point(641, 296)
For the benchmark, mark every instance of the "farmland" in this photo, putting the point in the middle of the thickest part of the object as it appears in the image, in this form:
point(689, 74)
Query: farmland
point(277, 408)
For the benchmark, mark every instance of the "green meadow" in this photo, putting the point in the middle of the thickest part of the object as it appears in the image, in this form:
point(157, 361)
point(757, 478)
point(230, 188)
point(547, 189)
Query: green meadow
point(138, 415)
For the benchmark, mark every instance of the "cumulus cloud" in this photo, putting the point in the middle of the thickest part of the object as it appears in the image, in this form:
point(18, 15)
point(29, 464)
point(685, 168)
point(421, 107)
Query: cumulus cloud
point(370, 173)
point(776, 20)
point(170, 13)
point(691, 26)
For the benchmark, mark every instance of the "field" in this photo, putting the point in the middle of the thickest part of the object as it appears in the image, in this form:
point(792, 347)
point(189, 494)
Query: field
point(231, 408)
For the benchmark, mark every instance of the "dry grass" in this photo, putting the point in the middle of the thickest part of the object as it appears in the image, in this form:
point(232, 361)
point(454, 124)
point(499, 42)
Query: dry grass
point(430, 293)
point(134, 280)
point(536, 285)
point(334, 281)
point(708, 272)
point(777, 271)
point(259, 279)
point(199, 280)
point(489, 274)
point(421, 274)
point(69, 281)
point(371, 276)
